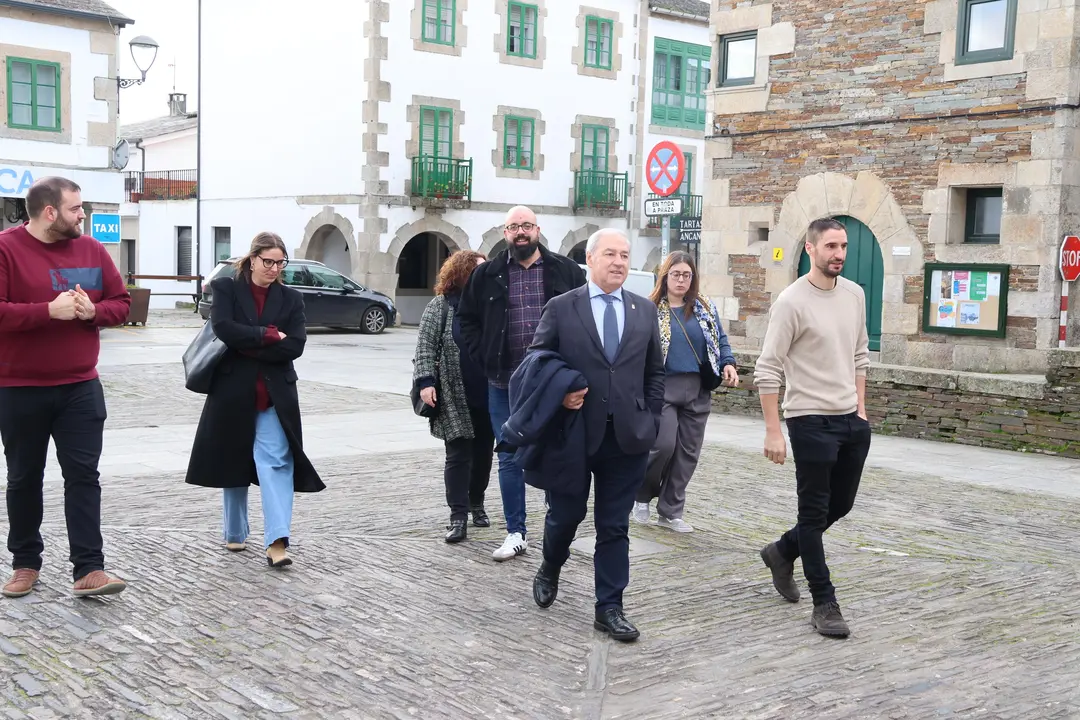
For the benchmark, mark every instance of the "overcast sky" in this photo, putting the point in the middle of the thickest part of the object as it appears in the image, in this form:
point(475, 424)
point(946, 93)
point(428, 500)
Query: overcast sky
point(174, 25)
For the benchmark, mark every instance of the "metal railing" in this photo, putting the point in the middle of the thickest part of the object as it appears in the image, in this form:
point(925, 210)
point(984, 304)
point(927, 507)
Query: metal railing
point(691, 207)
point(600, 190)
point(439, 177)
point(161, 185)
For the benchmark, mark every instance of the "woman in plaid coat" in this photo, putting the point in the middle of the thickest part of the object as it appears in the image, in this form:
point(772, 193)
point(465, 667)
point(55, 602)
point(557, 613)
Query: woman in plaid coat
point(453, 383)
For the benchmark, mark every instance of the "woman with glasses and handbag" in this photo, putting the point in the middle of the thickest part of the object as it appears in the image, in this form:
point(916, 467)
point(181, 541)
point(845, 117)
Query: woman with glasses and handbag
point(697, 358)
point(250, 432)
point(450, 390)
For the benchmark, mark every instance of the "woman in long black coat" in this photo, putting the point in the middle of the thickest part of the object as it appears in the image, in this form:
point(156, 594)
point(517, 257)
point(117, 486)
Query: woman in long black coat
point(249, 432)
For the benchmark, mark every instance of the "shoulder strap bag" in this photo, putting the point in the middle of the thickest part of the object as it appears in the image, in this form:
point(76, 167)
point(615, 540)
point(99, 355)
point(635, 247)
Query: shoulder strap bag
point(709, 379)
point(201, 359)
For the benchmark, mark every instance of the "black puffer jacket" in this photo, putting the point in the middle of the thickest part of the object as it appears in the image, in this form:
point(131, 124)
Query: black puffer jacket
point(484, 307)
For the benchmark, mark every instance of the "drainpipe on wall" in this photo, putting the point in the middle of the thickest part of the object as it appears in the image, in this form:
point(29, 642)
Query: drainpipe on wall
point(198, 156)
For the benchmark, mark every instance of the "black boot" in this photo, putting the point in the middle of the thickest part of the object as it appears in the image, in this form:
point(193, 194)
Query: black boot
point(458, 531)
point(546, 585)
point(480, 517)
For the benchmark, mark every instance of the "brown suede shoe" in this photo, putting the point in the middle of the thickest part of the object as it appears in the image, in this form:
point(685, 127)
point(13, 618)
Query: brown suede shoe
point(21, 583)
point(98, 583)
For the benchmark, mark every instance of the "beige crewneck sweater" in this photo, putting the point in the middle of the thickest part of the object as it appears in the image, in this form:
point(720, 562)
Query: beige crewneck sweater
point(817, 340)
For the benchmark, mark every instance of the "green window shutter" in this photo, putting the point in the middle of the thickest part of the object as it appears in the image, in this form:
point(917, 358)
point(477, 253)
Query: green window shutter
point(521, 27)
point(436, 132)
point(680, 76)
point(33, 94)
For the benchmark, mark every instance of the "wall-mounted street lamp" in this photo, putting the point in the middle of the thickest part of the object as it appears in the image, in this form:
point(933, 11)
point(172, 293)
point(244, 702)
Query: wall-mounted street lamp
point(143, 51)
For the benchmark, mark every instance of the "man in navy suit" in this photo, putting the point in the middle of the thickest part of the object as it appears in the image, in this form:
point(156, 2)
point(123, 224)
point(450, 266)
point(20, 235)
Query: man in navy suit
point(610, 336)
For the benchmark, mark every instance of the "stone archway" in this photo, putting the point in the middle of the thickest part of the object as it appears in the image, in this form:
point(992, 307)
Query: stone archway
point(867, 199)
point(330, 232)
point(422, 246)
point(576, 237)
point(652, 262)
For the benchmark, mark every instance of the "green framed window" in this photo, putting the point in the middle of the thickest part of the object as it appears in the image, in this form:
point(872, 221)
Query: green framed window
point(738, 59)
point(436, 132)
point(688, 177)
point(599, 40)
point(519, 137)
point(521, 30)
point(985, 31)
point(680, 75)
point(594, 148)
point(439, 25)
point(983, 221)
point(33, 94)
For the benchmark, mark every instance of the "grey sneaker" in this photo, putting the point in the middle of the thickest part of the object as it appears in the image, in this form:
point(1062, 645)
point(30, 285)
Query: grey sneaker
point(641, 513)
point(783, 573)
point(677, 524)
point(828, 621)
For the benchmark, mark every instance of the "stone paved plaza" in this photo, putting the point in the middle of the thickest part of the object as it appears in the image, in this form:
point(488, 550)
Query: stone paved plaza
point(957, 571)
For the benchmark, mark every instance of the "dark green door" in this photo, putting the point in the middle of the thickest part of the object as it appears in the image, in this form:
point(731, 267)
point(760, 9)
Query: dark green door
point(865, 267)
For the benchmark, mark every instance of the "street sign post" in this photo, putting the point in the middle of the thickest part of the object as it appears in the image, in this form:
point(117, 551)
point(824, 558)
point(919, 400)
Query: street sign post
point(690, 230)
point(1069, 267)
point(665, 169)
point(663, 208)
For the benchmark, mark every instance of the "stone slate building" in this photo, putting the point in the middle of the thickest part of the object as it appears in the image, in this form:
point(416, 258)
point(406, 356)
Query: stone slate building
point(938, 132)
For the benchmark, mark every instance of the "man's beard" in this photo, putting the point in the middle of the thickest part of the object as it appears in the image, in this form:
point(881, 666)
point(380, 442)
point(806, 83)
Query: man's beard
point(65, 232)
point(828, 272)
point(524, 252)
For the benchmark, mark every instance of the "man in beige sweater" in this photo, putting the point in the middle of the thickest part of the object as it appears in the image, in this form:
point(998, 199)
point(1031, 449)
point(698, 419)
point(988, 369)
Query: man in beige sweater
point(817, 341)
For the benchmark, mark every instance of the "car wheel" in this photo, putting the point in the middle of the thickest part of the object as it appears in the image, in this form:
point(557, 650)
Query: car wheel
point(374, 321)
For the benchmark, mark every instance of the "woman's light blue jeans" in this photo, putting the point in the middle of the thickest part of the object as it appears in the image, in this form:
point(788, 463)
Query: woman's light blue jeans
point(274, 465)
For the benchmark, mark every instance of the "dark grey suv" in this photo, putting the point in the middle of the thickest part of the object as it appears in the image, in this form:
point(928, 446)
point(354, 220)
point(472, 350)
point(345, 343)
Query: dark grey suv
point(330, 298)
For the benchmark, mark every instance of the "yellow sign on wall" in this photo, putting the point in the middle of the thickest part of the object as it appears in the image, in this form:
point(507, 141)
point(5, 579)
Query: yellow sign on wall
point(778, 254)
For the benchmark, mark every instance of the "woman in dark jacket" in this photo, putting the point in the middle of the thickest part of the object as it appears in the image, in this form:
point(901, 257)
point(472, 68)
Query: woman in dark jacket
point(249, 432)
point(463, 422)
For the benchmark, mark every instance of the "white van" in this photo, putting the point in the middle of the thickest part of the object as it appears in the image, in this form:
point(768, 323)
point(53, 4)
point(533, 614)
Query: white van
point(638, 282)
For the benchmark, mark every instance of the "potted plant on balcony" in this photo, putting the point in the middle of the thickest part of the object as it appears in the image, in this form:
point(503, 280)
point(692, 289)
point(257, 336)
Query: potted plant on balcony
point(140, 304)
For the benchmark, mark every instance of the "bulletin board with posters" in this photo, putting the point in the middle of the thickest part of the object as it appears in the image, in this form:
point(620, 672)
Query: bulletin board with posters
point(965, 299)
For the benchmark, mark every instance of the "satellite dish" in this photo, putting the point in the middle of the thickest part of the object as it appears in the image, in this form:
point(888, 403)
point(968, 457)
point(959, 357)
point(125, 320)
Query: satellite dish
point(120, 155)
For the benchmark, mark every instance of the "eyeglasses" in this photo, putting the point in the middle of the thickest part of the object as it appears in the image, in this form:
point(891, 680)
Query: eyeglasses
point(269, 263)
point(681, 275)
point(527, 227)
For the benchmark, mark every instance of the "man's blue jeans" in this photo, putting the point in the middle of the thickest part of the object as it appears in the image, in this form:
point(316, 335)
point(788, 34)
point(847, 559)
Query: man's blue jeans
point(511, 477)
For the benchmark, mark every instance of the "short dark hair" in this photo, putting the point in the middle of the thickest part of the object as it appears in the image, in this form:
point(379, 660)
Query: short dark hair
point(820, 226)
point(48, 191)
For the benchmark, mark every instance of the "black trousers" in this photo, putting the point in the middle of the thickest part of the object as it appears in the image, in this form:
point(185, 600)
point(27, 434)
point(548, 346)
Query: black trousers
point(616, 477)
point(468, 466)
point(830, 452)
point(74, 417)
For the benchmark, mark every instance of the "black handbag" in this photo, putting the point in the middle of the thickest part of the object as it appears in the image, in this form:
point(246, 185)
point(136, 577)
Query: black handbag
point(420, 407)
point(201, 359)
point(709, 379)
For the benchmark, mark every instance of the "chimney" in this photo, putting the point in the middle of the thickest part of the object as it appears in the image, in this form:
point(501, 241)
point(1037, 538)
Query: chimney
point(178, 104)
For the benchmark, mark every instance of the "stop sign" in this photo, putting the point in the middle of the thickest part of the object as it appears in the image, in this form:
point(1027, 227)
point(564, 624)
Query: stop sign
point(1070, 258)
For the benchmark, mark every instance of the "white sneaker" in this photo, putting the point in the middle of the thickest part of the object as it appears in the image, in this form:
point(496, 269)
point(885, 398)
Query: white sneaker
point(513, 546)
point(678, 524)
point(641, 513)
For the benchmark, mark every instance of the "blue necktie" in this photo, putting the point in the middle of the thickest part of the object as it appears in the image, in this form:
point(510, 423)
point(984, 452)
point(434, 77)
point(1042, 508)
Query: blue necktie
point(611, 329)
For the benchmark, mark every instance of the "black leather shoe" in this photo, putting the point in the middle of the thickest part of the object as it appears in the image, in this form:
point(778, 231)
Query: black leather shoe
point(480, 517)
point(613, 621)
point(546, 585)
point(458, 531)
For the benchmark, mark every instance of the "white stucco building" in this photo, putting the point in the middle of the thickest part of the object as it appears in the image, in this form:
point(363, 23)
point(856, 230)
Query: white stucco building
point(387, 149)
point(159, 209)
point(58, 96)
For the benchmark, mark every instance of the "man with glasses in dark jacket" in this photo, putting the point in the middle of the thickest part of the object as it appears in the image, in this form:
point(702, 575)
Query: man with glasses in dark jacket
point(499, 311)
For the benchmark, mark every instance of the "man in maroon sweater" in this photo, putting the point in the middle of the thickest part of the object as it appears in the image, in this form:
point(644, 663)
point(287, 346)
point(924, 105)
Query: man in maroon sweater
point(58, 287)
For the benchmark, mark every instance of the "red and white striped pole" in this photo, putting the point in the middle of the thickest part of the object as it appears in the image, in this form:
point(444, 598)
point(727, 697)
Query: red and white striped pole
point(1063, 329)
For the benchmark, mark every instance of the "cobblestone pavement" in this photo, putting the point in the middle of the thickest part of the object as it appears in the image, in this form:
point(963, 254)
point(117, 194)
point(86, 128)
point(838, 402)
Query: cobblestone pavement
point(963, 601)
